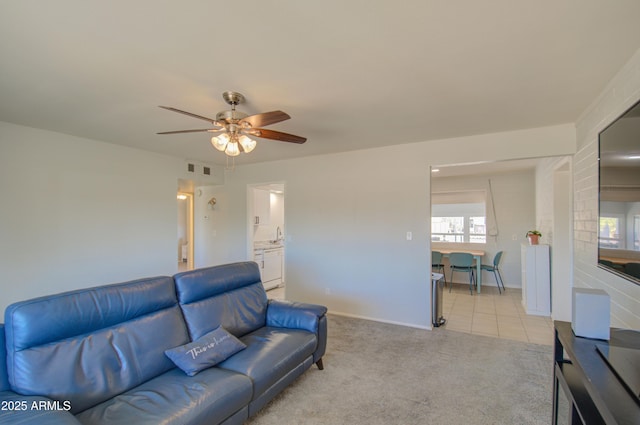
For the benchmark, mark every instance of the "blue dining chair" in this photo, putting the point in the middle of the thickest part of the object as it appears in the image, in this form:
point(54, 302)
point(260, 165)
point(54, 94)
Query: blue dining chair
point(436, 263)
point(462, 262)
point(495, 268)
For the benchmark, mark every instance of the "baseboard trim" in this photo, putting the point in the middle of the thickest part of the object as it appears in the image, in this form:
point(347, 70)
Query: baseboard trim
point(375, 319)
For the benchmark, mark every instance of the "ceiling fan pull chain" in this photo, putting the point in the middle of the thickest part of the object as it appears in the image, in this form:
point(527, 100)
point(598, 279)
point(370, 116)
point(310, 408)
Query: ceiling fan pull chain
point(233, 163)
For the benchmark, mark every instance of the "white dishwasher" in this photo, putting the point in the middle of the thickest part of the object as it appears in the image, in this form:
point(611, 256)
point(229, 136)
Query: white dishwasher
point(272, 268)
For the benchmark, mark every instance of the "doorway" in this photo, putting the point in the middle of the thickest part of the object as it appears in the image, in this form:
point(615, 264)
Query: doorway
point(509, 212)
point(266, 233)
point(185, 231)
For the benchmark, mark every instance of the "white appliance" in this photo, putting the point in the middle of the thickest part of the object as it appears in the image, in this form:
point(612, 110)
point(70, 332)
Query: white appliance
point(270, 261)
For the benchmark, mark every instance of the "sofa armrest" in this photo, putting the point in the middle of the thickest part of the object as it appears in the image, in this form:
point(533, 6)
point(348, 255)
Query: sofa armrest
point(295, 315)
point(34, 410)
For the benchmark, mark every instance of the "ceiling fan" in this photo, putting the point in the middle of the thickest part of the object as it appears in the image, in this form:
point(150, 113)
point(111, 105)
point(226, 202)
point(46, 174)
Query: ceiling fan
point(237, 128)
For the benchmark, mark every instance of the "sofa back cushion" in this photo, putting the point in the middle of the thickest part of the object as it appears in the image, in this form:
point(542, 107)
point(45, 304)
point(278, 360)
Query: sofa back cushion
point(89, 345)
point(4, 379)
point(231, 296)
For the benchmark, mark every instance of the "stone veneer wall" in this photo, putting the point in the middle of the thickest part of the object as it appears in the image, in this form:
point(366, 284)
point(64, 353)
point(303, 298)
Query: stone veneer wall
point(620, 94)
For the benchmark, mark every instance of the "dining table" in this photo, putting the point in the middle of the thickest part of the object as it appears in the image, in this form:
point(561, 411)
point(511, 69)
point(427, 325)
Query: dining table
point(477, 255)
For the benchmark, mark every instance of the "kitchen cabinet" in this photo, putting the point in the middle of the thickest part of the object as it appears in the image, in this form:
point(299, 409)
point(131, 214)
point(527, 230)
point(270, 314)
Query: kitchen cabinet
point(536, 280)
point(261, 207)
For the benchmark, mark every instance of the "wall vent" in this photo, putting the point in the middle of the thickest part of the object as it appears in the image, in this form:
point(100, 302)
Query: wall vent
point(202, 174)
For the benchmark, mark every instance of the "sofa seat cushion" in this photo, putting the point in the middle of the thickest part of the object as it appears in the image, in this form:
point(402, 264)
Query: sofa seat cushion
point(270, 354)
point(174, 398)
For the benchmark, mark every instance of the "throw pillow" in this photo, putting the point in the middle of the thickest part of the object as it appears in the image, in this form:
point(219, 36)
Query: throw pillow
point(208, 350)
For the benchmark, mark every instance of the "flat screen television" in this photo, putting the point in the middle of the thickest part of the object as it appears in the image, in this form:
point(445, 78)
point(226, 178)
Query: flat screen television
point(619, 196)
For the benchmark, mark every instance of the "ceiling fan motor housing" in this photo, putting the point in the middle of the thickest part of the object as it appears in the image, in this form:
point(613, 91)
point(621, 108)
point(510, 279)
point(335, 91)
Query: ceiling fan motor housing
point(233, 97)
point(231, 116)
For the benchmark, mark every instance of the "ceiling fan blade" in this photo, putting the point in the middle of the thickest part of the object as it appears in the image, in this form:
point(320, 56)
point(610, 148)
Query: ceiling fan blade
point(211, 120)
point(266, 118)
point(211, 130)
point(275, 135)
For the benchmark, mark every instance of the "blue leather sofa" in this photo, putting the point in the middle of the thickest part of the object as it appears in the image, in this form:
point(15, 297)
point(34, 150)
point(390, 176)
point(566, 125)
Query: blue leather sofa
point(96, 355)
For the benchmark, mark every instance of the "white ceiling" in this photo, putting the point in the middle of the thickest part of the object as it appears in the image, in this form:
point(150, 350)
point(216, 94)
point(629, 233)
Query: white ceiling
point(352, 74)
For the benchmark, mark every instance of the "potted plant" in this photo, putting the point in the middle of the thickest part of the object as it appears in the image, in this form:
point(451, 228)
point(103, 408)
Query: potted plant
point(533, 236)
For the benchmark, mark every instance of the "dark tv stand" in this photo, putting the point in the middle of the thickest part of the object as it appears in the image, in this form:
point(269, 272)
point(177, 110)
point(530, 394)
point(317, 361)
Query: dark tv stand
point(586, 390)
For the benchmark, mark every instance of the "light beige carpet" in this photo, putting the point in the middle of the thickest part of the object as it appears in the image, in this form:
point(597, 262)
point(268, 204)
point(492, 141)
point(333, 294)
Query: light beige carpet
point(377, 373)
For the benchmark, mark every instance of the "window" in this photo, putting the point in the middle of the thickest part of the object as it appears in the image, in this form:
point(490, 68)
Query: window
point(458, 217)
point(477, 229)
point(447, 229)
point(619, 225)
point(610, 235)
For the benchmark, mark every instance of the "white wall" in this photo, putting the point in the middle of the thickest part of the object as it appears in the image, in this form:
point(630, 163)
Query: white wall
point(76, 213)
point(277, 214)
point(215, 241)
point(84, 213)
point(621, 93)
point(554, 208)
point(347, 216)
point(515, 211)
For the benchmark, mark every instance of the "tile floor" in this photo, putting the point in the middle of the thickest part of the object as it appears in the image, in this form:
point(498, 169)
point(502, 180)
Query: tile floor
point(494, 314)
point(489, 314)
point(276, 293)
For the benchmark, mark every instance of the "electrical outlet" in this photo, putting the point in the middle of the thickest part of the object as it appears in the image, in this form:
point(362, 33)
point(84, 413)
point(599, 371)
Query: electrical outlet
point(409, 236)
point(327, 291)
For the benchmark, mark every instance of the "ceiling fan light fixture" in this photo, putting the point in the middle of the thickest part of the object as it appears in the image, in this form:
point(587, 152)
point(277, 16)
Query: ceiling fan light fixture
point(232, 149)
point(220, 142)
point(247, 144)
